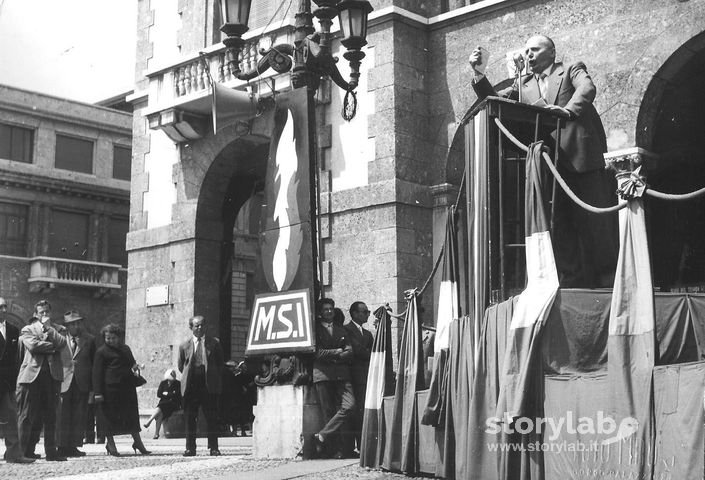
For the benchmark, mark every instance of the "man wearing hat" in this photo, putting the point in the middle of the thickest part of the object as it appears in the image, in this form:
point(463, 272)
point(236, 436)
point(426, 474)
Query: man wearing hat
point(76, 387)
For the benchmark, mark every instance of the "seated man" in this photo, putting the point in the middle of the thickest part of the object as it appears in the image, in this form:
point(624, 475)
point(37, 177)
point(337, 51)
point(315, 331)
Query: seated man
point(585, 244)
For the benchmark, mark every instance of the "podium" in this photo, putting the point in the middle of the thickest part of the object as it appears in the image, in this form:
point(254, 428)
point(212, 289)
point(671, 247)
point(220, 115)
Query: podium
point(494, 176)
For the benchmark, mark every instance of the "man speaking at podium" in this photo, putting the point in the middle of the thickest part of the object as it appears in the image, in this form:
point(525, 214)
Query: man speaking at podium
point(585, 244)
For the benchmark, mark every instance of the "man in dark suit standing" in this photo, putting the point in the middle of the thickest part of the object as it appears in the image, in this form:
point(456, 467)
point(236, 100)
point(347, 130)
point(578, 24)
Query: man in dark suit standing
point(201, 364)
point(361, 341)
point(585, 244)
point(9, 366)
point(39, 382)
point(332, 381)
point(77, 359)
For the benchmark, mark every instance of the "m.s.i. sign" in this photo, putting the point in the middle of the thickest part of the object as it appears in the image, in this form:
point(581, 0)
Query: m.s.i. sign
point(280, 321)
point(281, 317)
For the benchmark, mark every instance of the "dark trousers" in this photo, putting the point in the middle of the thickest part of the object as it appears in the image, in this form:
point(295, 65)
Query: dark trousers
point(196, 397)
point(337, 402)
point(360, 390)
point(36, 404)
point(94, 427)
point(586, 244)
point(71, 415)
point(8, 415)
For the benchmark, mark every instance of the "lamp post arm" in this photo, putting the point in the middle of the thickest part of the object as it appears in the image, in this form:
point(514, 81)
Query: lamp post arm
point(338, 79)
point(277, 58)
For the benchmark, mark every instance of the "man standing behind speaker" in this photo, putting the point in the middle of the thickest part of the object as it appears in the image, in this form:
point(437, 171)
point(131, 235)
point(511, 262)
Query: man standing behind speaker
point(201, 364)
point(76, 387)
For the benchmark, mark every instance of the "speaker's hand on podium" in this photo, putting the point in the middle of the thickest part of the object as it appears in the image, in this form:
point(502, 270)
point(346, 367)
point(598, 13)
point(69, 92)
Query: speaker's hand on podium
point(565, 111)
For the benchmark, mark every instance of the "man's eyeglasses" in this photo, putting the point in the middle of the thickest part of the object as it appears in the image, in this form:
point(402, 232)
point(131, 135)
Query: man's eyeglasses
point(3, 307)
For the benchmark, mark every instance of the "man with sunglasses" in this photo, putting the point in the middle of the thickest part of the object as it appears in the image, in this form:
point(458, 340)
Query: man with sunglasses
point(361, 340)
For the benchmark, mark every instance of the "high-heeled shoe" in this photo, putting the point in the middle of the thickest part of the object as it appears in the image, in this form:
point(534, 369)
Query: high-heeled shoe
point(141, 449)
point(111, 451)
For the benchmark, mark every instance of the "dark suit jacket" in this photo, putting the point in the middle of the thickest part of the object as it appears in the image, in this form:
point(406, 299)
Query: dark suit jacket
point(9, 359)
point(214, 364)
point(362, 349)
point(79, 364)
point(583, 138)
point(39, 347)
point(111, 366)
point(328, 364)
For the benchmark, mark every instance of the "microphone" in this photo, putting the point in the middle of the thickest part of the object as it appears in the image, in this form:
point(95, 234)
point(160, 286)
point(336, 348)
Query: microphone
point(518, 59)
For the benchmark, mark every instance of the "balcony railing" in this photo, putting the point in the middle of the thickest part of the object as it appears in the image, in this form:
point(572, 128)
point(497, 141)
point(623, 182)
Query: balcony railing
point(182, 84)
point(47, 272)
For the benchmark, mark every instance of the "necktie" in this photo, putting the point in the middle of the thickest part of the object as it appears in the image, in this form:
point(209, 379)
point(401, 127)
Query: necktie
point(198, 355)
point(73, 344)
point(541, 79)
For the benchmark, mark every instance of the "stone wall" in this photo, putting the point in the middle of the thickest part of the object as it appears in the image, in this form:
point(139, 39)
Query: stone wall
point(380, 233)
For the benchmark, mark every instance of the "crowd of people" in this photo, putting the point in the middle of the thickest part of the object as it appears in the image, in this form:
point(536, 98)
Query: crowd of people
point(61, 380)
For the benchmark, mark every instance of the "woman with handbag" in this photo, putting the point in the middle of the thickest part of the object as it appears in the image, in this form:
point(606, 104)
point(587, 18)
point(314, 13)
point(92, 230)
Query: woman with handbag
point(169, 393)
point(115, 377)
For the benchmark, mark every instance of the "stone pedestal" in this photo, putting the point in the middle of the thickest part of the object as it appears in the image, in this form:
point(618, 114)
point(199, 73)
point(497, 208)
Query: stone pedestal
point(278, 425)
point(285, 415)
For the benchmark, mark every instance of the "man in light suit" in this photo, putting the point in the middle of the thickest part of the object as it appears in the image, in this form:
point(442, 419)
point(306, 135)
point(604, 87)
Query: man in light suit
point(77, 359)
point(585, 244)
point(39, 382)
point(361, 341)
point(201, 365)
point(9, 341)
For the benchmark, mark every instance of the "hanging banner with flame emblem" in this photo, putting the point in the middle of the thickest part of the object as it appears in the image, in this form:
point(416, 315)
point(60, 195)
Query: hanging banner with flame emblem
point(281, 318)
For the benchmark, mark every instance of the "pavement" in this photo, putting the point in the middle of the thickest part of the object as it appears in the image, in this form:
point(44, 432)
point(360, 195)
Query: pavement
point(167, 463)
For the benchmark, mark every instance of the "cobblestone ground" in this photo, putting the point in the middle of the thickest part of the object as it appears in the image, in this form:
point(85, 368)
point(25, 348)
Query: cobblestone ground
point(166, 463)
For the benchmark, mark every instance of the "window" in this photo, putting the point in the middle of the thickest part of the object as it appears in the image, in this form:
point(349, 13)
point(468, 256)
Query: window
point(117, 233)
point(68, 236)
point(74, 154)
point(122, 162)
point(13, 229)
point(16, 143)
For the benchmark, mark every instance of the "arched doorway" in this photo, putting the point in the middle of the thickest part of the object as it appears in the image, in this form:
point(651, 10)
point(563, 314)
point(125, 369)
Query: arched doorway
point(227, 239)
point(671, 124)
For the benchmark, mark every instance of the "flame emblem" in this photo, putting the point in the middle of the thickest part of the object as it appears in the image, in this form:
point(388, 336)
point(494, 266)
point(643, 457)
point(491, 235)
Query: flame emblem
point(285, 259)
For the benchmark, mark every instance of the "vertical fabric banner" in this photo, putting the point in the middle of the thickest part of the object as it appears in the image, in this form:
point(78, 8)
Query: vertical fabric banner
point(534, 303)
point(401, 435)
point(378, 385)
point(631, 340)
point(448, 310)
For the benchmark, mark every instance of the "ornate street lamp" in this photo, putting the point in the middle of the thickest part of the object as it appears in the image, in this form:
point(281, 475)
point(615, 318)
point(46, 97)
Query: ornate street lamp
point(310, 55)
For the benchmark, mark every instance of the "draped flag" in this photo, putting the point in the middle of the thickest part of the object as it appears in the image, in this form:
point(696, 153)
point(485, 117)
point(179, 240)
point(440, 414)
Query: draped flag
point(534, 302)
point(379, 384)
point(448, 310)
point(631, 340)
point(402, 433)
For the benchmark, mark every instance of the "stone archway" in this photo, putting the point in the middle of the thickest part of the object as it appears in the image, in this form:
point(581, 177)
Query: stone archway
point(671, 124)
point(235, 174)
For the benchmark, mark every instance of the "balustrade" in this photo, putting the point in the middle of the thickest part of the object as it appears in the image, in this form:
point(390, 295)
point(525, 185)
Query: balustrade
point(58, 271)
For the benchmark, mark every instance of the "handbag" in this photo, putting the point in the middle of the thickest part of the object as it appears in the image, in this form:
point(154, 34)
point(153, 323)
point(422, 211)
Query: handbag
point(138, 380)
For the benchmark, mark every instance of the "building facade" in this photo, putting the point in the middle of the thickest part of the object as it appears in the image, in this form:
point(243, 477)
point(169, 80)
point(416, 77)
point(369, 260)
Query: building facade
point(64, 206)
point(388, 175)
